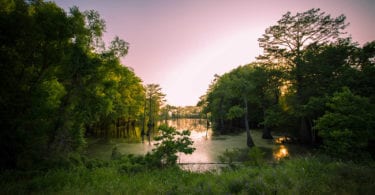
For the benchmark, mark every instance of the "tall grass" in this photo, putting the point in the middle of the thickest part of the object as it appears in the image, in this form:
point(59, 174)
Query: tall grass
point(307, 175)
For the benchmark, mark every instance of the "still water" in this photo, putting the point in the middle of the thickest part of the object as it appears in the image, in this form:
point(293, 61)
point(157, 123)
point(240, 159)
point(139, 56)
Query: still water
point(208, 146)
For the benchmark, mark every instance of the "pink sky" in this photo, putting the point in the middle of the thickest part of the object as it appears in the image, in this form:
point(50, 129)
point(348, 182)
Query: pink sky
point(181, 44)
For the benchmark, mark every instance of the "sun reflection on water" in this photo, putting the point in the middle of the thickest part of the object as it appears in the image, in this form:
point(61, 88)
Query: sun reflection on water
point(282, 140)
point(280, 153)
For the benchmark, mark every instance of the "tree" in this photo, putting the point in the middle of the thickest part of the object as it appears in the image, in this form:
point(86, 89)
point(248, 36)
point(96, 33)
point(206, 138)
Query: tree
point(33, 48)
point(363, 73)
point(293, 33)
point(242, 87)
point(226, 100)
point(268, 82)
point(154, 99)
point(215, 102)
point(58, 82)
point(347, 126)
point(262, 88)
point(244, 96)
point(284, 43)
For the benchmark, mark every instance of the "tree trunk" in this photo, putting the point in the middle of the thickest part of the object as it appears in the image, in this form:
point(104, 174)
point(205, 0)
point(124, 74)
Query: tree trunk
point(305, 132)
point(266, 131)
point(118, 123)
point(249, 139)
point(221, 116)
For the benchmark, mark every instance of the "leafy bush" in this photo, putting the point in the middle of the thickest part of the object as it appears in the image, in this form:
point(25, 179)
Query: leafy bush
point(256, 157)
point(348, 125)
point(230, 156)
point(170, 142)
point(250, 156)
point(115, 153)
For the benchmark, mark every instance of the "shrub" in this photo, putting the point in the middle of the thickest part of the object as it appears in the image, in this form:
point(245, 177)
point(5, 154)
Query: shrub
point(348, 125)
point(115, 153)
point(169, 143)
point(230, 156)
point(256, 157)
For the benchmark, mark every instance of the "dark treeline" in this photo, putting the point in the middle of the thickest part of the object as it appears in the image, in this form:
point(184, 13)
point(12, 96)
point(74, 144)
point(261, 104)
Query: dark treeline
point(60, 83)
point(311, 82)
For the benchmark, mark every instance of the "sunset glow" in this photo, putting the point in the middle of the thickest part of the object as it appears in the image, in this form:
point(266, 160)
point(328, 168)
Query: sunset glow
point(182, 44)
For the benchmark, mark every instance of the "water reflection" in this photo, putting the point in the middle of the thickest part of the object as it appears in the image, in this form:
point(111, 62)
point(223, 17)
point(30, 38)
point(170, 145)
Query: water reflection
point(283, 140)
point(189, 124)
point(280, 152)
point(208, 147)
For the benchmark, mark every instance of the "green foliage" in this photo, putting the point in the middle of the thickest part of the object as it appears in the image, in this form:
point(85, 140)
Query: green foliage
point(152, 103)
point(169, 143)
point(230, 157)
point(306, 46)
point(292, 33)
point(256, 157)
point(235, 112)
point(253, 156)
point(58, 81)
point(275, 116)
point(115, 153)
point(347, 126)
point(253, 85)
point(309, 175)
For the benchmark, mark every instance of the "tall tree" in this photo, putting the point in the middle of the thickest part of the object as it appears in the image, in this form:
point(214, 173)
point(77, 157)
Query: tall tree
point(244, 94)
point(268, 82)
point(217, 102)
point(154, 99)
point(242, 87)
point(284, 43)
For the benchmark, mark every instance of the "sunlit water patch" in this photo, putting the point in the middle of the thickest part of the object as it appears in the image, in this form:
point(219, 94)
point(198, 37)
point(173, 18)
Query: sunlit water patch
point(280, 152)
point(208, 147)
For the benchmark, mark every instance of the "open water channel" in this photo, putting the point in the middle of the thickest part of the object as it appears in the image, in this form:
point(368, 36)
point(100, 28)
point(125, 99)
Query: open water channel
point(208, 146)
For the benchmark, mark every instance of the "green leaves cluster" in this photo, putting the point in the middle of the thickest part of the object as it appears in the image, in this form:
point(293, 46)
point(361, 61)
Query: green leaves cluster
point(253, 85)
point(296, 86)
point(59, 81)
point(347, 125)
point(169, 143)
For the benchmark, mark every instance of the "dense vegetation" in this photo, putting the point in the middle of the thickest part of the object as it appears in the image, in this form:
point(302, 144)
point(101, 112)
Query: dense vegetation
point(309, 175)
point(310, 81)
point(60, 85)
point(59, 82)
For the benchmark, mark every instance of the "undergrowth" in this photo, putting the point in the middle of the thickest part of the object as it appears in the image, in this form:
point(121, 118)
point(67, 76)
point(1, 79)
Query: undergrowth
point(311, 175)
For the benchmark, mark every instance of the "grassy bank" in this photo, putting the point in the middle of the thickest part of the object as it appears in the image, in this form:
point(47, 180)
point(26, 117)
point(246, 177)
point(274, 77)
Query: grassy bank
point(309, 175)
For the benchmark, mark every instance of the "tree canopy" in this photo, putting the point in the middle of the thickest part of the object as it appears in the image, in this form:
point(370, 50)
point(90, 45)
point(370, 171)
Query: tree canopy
point(59, 82)
point(293, 33)
point(296, 86)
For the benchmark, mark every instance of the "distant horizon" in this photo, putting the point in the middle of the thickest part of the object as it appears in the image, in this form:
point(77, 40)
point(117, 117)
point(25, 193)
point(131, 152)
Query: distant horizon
point(181, 45)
